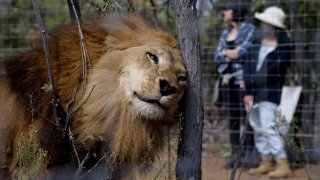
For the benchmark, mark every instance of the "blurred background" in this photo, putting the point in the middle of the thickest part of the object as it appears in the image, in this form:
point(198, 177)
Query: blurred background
point(19, 31)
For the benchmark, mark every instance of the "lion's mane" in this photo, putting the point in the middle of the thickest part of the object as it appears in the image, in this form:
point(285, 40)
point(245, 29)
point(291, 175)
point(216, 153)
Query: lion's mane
point(107, 115)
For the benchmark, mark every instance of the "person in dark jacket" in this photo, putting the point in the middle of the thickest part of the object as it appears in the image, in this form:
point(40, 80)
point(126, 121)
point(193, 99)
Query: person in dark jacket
point(264, 73)
point(233, 45)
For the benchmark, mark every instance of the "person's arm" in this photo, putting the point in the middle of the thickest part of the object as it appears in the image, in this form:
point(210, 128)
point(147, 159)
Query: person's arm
point(220, 55)
point(248, 71)
point(248, 78)
point(243, 49)
point(240, 51)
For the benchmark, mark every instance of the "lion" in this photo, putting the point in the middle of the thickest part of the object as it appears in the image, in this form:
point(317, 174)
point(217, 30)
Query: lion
point(134, 84)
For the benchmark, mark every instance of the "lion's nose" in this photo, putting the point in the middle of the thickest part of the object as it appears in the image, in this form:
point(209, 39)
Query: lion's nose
point(166, 89)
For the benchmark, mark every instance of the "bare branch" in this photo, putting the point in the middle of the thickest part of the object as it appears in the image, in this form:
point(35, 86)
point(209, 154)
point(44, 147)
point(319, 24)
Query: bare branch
point(86, 66)
point(73, 97)
point(35, 111)
point(82, 102)
point(83, 81)
point(102, 158)
point(48, 59)
point(71, 111)
point(81, 166)
point(73, 13)
point(73, 146)
point(84, 51)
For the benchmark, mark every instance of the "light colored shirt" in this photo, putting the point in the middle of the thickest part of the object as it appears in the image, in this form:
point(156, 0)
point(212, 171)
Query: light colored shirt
point(263, 53)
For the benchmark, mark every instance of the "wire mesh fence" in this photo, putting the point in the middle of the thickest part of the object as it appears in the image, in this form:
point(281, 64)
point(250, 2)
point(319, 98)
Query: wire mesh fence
point(302, 26)
point(19, 31)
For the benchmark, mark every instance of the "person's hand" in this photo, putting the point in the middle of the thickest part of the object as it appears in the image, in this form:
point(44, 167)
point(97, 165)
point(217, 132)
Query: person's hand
point(226, 52)
point(248, 100)
point(242, 85)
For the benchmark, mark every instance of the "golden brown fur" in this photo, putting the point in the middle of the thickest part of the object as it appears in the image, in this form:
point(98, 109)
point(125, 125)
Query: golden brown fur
point(126, 110)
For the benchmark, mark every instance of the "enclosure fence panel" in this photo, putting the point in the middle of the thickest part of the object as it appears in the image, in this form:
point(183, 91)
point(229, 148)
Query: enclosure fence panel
point(19, 32)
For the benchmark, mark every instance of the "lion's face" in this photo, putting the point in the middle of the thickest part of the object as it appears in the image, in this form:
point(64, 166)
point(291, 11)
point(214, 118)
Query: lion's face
point(153, 79)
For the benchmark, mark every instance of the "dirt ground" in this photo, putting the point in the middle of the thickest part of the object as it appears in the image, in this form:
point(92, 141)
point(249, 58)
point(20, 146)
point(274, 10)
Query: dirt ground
point(212, 169)
point(212, 157)
point(213, 161)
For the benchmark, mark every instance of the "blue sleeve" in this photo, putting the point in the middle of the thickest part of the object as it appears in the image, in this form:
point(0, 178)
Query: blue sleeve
point(248, 34)
point(219, 57)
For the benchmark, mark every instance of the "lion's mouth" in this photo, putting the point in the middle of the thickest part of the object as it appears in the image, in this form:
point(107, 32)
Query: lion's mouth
point(150, 101)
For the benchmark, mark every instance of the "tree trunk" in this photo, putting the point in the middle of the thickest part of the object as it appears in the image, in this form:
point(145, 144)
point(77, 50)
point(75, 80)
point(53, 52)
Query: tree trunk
point(189, 149)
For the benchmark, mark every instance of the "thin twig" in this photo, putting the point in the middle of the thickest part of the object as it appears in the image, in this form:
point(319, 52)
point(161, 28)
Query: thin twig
point(84, 51)
point(68, 106)
point(103, 157)
point(81, 166)
point(73, 146)
point(82, 101)
point(86, 65)
point(48, 59)
point(73, 97)
point(69, 114)
point(77, 7)
point(86, 68)
point(70, 110)
point(35, 111)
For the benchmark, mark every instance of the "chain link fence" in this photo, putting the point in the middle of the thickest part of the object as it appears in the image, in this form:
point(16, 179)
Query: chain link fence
point(19, 31)
point(302, 140)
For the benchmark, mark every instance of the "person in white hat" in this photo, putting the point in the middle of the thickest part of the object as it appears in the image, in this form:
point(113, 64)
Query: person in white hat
point(264, 74)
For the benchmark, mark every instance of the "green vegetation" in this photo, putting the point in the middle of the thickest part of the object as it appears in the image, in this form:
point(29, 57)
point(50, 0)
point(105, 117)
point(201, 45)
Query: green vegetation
point(31, 157)
point(225, 150)
point(287, 131)
point(19, 29)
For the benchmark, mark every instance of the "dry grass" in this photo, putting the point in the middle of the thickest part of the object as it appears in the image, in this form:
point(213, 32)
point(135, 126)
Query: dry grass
point(31, 157)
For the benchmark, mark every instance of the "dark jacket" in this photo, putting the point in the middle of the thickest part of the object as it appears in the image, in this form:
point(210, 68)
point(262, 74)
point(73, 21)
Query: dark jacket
point(266, 84)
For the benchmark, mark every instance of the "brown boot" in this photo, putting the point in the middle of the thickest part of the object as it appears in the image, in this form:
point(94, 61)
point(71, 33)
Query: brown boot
point(282, 169)
point(265, 166)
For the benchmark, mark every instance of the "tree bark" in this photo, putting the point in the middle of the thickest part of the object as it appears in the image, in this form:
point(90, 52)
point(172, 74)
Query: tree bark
point(190, 145)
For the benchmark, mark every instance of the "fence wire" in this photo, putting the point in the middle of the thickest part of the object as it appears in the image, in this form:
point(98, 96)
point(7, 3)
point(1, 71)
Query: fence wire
point(19, 31)
point(302, 142)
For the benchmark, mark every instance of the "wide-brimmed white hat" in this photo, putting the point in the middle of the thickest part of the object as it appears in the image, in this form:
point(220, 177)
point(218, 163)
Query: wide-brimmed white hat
point(272, 15)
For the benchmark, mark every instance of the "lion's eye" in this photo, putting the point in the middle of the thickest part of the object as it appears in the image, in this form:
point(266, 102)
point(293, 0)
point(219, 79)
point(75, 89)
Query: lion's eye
point(153, 58)
point(182, 78)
